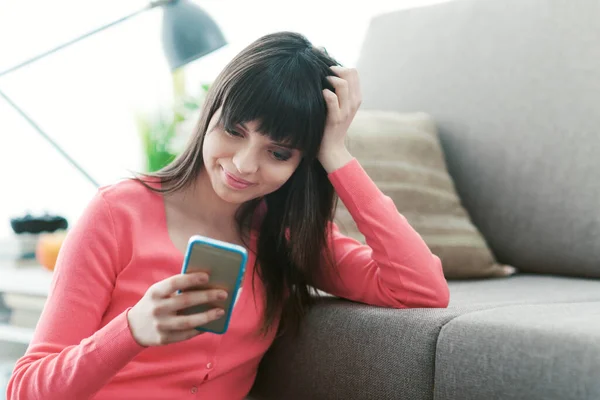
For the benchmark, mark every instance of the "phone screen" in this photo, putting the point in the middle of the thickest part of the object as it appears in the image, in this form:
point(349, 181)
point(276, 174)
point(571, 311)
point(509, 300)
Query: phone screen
point(225, 266)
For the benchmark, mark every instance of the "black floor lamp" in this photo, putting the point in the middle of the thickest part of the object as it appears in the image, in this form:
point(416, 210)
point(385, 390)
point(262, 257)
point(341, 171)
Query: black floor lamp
point(188, 33)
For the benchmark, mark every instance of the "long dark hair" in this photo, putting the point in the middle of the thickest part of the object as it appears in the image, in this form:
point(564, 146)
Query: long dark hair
point(278, 81)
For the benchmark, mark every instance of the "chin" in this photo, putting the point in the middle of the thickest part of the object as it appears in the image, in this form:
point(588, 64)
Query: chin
point(229, 196)
point(233, 196)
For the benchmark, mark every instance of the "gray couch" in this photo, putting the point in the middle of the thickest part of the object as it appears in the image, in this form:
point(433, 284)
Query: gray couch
point(514, 86)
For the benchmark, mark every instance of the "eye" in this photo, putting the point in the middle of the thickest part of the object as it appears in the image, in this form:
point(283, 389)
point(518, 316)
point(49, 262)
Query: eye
point(234, 133)
point(281, 155)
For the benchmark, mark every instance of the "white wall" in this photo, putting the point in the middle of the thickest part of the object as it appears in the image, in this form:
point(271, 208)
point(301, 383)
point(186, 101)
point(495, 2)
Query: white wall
point(85, 96)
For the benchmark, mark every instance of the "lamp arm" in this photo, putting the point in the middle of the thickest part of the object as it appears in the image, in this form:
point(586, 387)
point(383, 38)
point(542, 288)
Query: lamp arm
point(149, 6)
point(48, 138)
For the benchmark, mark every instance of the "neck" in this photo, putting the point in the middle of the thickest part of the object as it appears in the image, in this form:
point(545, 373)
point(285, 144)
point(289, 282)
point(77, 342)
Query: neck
point(200, 202)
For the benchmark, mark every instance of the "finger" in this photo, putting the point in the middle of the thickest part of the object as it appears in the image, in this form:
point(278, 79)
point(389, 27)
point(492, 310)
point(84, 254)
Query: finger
point(341, 91)
point(168, 286)
point(333, 106)
point(323, 49)
point(351, 76)
point(189, 299)
point(355, 90)
point(340, 71)
point(187, 322)
point(179, 336)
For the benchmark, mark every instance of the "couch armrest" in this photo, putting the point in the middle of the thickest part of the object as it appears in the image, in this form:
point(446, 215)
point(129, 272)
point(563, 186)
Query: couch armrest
point(352, 351)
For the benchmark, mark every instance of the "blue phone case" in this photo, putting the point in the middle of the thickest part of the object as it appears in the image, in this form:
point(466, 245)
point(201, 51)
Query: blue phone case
point(197, 239)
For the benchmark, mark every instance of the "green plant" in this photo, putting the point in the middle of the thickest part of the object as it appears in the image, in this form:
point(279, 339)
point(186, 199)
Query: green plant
point(157, 134)
point(163, 132)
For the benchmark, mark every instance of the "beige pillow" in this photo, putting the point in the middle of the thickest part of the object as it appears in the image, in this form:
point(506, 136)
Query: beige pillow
point(401, 152)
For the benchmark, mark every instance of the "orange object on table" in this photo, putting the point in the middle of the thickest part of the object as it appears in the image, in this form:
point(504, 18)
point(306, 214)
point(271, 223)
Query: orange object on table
point(48, 247)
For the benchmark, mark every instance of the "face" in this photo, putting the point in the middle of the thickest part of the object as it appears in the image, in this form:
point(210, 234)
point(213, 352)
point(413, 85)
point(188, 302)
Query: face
point(243, 164)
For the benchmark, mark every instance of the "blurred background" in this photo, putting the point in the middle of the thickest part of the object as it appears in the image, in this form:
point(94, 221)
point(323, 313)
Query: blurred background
point(89, 97)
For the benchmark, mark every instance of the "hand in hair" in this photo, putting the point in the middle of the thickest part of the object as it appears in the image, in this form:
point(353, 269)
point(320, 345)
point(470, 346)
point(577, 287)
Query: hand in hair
point(341, 109)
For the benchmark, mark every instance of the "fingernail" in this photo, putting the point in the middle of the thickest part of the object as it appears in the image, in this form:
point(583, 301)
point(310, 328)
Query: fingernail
point(220, 313)
point(222, 295)
point(509, 270)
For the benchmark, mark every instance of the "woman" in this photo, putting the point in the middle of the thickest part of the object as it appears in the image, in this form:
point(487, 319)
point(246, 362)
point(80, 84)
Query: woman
point(261, 170)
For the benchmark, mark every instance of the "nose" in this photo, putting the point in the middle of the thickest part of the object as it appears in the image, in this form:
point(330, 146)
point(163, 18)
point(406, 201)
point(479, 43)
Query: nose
point(245, 161)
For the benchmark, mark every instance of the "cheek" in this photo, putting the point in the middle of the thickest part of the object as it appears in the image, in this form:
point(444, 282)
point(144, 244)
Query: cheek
point(275, 177)
point(210, 147)
point(206, 147)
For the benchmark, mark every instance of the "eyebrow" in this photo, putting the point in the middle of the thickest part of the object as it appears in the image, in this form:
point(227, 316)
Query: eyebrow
point(279, 144)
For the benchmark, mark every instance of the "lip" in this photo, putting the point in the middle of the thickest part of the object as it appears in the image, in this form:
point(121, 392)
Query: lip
point(235, 182)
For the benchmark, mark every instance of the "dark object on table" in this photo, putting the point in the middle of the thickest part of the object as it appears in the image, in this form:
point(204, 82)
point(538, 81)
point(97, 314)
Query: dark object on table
point(45, 223)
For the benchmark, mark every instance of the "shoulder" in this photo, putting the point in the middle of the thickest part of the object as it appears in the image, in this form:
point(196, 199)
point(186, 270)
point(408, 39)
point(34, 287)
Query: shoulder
point(131, 211)
point(129, 190)
point(130, 197)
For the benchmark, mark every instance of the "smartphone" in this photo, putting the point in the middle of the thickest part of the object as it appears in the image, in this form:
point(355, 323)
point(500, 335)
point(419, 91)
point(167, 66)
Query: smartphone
point(225, 264)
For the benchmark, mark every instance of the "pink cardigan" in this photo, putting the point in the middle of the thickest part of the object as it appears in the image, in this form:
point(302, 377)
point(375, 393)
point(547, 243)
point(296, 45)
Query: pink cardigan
point(83, 348)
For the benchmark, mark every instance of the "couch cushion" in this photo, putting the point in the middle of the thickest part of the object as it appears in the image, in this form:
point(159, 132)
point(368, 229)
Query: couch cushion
point(523, 289)
point(351, 351)
point(514, 88)
point(526, 352)
point(403, 156)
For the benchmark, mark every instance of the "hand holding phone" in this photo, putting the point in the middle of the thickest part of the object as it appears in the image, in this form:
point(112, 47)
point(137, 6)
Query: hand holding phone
point(198, 300)
point(225, 264)
point(154, 320)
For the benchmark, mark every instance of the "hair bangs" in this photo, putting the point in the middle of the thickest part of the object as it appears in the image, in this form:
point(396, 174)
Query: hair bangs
point(288, 110)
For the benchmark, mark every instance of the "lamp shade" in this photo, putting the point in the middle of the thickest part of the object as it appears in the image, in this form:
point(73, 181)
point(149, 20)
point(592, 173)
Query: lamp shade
point(188, 33)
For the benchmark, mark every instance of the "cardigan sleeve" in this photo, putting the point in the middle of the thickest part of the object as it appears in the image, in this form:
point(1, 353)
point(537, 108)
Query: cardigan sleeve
point(395, 268)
